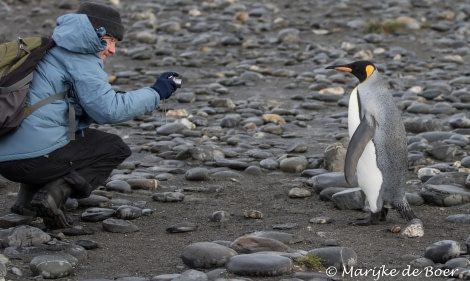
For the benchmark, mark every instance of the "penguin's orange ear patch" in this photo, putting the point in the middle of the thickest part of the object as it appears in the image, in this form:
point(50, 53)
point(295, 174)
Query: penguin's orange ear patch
point(369, 70)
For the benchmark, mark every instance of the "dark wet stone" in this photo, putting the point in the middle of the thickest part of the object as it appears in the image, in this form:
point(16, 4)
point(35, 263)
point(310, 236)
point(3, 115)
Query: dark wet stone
point(11, 220)
point(94, 201)
point(182, 227)
point(206, 255)
point(87, 244)
point(259, 265)
point(97, 214)
point(443, 152)
point(119, 226)
point(459, 218)
point(197, 174)
point(77, 230)
point(328, 192)
point(349, 199)
point(442, 251)
point(448, 178)
point(333, 179)
point(456, 263)
point(414, 199)
point(232, 164)
point(127, 212)
point(445, 195)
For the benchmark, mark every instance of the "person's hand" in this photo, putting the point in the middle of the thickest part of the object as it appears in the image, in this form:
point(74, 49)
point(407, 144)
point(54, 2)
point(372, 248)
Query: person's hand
point(164, 86)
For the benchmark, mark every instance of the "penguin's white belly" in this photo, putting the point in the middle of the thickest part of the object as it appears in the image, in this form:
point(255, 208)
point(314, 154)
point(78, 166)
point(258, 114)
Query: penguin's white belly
point(369, 176)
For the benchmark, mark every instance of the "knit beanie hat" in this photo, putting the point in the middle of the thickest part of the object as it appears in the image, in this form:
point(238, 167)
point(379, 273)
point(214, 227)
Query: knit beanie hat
point(103, 16)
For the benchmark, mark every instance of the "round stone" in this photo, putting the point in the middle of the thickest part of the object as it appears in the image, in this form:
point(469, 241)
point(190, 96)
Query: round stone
point(206, 255)
point(259, 265)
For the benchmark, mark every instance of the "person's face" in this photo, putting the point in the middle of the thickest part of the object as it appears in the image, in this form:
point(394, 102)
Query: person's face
point(110, 47)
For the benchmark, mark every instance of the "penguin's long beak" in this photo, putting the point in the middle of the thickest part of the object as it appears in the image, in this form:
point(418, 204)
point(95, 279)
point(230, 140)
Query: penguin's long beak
point(340, 67)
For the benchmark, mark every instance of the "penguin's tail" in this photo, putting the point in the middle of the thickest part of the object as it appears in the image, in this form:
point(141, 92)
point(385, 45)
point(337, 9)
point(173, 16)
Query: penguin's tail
point(404, 209)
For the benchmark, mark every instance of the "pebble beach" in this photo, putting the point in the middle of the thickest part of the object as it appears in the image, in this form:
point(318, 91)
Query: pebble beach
point(238, 176)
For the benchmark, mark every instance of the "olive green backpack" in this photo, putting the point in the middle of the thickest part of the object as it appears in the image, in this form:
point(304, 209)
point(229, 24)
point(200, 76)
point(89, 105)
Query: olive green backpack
point(18, 59)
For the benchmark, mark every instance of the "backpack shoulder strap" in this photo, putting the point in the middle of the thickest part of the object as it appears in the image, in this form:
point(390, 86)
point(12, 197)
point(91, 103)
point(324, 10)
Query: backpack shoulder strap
point(50, 99)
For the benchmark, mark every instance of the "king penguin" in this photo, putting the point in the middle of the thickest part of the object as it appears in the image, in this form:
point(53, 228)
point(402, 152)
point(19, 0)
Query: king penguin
point(377, 149)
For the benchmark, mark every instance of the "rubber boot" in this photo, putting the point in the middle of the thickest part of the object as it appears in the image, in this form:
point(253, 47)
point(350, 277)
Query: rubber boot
point(49, 204)
point(22, 205)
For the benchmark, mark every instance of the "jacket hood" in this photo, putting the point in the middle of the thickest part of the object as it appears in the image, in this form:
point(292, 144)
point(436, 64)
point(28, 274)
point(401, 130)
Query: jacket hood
point(75, 33)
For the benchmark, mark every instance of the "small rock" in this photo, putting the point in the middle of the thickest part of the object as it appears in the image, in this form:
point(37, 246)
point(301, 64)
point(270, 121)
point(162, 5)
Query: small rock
point(442, 251)
point(206, 255)
point(119, 226)
point(182, 227)
point(413, 229)
point(259, 265)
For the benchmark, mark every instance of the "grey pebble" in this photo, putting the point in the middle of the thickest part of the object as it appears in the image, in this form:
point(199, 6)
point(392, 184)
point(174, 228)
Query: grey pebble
point(24, 236)
point(349, 199)
point(298, 192)
point(87, 244)
point(442, 251)
point(119, 186)
point(168, 196)
point(445, 195)
point(182, 227)
point(127, 212)
point(459, 218)
point(97, 214)
point(457, 263)
point(206, 255)
point(53, 266)
point(220, 216)
point(259, 265)
point(191, 275)
point(119, 226)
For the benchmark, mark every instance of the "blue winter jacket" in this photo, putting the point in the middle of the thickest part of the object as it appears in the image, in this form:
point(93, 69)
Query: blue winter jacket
point(73, 64)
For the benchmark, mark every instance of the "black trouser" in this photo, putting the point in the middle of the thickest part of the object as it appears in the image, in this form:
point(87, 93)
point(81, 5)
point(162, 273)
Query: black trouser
point(84, 163)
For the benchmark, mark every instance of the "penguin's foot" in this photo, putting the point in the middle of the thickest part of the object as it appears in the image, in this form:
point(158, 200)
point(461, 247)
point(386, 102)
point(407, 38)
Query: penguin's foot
point(374, 218)
point(365, 221)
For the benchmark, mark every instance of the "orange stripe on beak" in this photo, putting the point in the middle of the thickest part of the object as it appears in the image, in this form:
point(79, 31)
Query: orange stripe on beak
point(343, 68)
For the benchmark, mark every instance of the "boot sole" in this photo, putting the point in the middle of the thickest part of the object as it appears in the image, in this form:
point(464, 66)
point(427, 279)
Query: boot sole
point(45, 207)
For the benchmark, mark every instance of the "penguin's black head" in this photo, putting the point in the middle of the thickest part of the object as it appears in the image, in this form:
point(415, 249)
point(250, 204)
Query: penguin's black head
point(362, 69)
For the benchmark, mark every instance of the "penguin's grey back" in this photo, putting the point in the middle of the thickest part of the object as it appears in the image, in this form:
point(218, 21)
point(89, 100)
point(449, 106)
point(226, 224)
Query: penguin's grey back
point(390, 136)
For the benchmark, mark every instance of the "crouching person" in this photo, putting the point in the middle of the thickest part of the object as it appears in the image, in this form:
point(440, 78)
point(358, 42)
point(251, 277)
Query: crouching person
point(52, 161)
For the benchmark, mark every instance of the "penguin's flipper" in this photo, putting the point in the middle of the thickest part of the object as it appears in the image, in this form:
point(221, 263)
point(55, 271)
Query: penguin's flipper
point(363, 134)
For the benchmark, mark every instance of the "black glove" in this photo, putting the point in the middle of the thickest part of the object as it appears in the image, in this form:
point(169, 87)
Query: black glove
point(164, 86)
